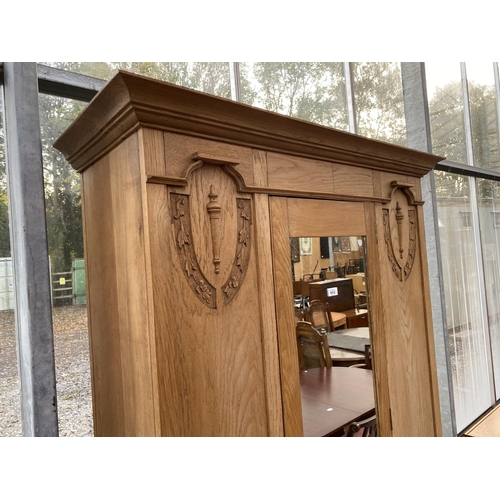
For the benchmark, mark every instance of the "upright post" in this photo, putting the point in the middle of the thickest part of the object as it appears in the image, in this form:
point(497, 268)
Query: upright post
point(33, 313)
point(419, 137)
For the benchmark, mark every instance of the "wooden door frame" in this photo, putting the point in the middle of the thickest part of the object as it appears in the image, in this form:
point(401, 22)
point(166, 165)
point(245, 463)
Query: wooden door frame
point(298, 217)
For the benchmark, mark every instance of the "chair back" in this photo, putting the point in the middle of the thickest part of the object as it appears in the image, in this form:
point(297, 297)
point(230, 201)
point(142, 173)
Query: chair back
point(368, 428)
point(312, 347)
point(368, 356)
point(367, 365)
point(319, 316)
point(299, 315)
point(341, 271)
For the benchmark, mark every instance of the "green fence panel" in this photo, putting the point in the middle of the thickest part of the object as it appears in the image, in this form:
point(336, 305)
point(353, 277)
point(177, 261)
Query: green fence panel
point(79, 289)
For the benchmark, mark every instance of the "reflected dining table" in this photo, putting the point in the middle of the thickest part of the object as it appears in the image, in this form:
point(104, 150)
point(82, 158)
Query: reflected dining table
point(332, 398)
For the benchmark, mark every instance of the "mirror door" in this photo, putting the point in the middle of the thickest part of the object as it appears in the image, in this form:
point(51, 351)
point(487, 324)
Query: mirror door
point(299, 227)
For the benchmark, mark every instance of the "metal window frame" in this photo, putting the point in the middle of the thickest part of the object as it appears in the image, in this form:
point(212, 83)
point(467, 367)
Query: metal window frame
point(473, 173)
point(419, 137)
point(235, 81)
point(29, 250)
point(350, 98)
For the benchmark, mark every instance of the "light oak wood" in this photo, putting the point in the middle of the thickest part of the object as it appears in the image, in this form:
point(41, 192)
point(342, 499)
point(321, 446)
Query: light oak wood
point(153, 152)
point(179, 150)
point(288, 355)
point(268, 317)
point(353, 181)
point(123, 391)
point(319, 217)
point(212, 377)
point(288, 172)
point(376, 309)
point(189, 204)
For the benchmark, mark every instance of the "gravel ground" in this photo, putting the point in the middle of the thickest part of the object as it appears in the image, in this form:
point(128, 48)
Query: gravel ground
point(74, 399)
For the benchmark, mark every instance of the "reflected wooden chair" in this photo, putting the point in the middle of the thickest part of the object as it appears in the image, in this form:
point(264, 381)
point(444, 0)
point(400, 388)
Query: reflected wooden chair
point(367, 365)
point(363, 428)
point(312, 347)
point(341, 271)
point(320, 316)
point(299, 315)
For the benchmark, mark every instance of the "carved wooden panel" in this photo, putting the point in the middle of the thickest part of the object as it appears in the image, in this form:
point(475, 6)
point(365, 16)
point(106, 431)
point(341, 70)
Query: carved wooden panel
point(181, 220)
point(242, 256)
point(204, 288)
point(400, 219)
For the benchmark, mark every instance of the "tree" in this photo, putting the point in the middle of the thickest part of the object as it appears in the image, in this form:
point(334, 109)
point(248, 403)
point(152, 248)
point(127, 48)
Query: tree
point(378, 94)
point(484, 124)
point(312, 91)
point(446, 110)
point(4, 211)
point(62, 184)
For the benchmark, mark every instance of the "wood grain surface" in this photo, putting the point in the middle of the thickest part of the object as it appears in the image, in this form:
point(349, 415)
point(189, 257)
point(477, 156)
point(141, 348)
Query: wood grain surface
point(211, 381)
point(122, 372)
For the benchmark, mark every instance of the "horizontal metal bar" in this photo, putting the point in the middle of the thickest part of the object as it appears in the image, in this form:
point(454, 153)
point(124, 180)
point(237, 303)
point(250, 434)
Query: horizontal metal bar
point(64, 83)
point(461, 169)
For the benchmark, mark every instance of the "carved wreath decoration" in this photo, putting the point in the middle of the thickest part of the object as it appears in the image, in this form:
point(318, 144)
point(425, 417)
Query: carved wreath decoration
point(405, 241)
point(200, 285)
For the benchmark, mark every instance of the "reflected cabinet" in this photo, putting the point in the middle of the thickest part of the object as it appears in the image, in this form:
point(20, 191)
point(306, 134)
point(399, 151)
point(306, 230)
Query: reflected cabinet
point(190, 203)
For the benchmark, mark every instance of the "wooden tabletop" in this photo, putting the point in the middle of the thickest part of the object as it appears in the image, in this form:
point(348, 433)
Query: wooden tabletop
point(351, 339)
point(334, 397)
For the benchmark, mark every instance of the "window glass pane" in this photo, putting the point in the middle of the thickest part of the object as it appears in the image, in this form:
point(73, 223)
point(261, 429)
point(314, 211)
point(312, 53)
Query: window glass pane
point(484, 119)
point(488, 194)
point(312, 91)
point(65, 239)
point(466, 330)
point(378, 96)
point(446, 108)
point(209, 77)
point(10, 409)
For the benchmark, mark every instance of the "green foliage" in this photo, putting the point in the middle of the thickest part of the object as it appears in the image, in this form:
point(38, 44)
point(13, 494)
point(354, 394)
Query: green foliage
point(448, 129)
point(447, 123)
point(450, 185)
point(312, 91)
point(62, 184)
point(209, 77)
point(4, 212)
point(484, 122)
point(378, 94)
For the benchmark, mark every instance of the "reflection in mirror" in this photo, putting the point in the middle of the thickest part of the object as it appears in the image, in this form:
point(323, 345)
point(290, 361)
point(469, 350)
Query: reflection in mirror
point(320, 259)
point(332, 332)
point(329, 287)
